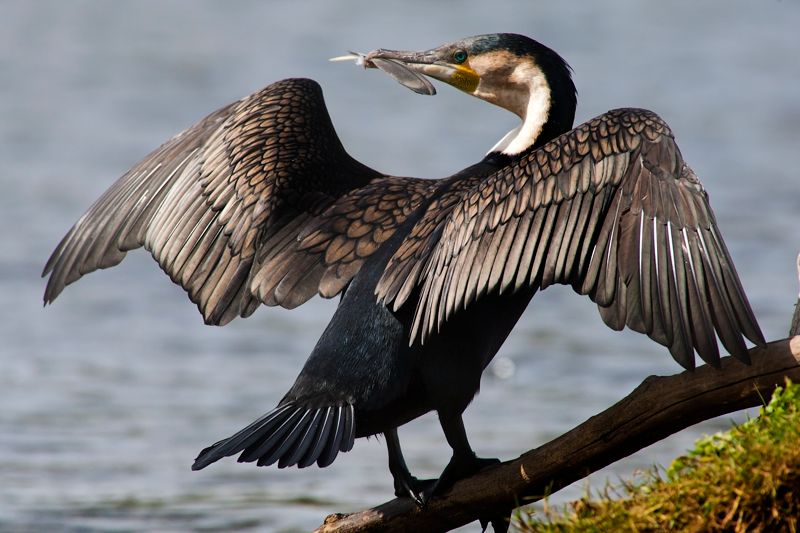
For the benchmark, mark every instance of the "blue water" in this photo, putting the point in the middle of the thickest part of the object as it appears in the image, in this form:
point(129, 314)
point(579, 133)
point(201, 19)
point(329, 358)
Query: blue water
point(108, 395)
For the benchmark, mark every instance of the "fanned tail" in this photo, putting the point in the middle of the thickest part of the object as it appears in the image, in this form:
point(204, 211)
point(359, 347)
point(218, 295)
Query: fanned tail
point(291, 434)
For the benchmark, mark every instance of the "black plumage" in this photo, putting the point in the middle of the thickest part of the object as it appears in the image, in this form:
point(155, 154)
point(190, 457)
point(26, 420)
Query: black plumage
point(260, 203)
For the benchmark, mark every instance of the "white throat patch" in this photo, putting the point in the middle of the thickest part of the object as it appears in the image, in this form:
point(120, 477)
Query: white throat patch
point(536, 112)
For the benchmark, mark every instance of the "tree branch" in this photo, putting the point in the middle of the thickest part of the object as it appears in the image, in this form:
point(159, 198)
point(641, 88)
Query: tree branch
point(657, 408)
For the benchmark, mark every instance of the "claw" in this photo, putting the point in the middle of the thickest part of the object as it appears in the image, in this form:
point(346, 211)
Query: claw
point(459, 468)
point(414, 488)
point(500, 524)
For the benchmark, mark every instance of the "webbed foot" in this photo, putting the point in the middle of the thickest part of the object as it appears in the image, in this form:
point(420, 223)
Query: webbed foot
point(458, 468)
point(500, 524)
point(461, 467)
point(413, 488)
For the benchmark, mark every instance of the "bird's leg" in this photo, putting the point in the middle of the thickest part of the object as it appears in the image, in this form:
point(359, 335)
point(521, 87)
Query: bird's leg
point(405, 485)
point(463, 464)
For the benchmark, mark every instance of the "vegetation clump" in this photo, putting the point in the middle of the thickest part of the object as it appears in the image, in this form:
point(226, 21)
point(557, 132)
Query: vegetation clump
point(745, 479)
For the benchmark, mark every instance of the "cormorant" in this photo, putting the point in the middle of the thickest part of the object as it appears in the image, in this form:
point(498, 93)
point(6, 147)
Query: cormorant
point(260, 203)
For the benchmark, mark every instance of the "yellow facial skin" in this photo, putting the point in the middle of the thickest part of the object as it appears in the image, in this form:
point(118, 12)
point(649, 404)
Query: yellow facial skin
point(464, 78)
point(461, 76)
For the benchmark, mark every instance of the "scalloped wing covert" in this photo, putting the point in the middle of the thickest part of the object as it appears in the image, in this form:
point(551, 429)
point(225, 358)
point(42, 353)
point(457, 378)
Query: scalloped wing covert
point(331, 249)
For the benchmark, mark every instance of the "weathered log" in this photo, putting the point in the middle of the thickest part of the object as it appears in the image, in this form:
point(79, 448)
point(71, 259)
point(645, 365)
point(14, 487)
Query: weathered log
point(657, 408)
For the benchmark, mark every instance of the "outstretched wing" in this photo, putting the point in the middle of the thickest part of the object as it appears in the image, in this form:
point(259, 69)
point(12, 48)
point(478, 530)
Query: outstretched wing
point(212, 200)
point(609, 208)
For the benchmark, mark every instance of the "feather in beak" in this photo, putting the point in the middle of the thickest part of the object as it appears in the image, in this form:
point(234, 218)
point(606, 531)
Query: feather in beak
point(396, 69)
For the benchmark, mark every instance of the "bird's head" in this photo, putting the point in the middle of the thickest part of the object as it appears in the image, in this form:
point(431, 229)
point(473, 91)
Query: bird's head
point(508, 70)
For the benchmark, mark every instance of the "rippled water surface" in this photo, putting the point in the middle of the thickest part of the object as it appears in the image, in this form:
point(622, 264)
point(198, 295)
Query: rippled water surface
point(106, 397)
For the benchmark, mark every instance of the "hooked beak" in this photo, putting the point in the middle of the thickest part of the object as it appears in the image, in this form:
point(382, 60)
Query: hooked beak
point(410, 69)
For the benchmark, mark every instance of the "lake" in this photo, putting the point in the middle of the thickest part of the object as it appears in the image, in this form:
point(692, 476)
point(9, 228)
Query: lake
point(108, 395)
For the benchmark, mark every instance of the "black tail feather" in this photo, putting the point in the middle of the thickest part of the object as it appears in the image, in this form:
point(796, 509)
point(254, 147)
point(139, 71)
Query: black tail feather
point(342, 437)
point(287, 444)
point(261, 449)
point(241, 440)
point(321, 438)
point(304, 441)
point(290, 434)
point(349, 436)
point(331, 448)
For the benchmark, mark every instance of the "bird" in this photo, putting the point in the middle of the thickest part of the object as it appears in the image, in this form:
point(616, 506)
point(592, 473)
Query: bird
point(260, 203)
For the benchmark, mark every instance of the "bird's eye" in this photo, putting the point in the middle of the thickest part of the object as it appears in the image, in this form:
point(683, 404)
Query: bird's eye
point(459, 56)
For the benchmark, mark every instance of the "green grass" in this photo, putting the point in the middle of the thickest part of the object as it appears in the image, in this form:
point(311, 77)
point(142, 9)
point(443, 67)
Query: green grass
point(743, 480)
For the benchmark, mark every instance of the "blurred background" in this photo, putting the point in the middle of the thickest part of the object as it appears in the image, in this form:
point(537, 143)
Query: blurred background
point(107, 396)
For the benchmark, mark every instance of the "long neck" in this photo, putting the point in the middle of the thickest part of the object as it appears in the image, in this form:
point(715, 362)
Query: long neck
point(549, 112)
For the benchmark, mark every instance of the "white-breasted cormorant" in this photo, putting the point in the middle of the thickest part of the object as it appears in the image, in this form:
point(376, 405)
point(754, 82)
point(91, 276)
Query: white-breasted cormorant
point(260, 203)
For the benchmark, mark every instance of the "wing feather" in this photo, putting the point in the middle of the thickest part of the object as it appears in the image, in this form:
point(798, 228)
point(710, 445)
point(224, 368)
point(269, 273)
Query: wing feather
point(515, 252)
point(530, 248)
point(211, 203)
point(609, 208)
